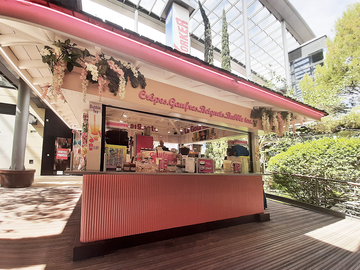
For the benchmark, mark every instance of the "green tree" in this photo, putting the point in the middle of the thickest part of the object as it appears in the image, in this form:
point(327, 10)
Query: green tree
point(341, 71)
point(335, 123)
point(343, 58)
point(277, 83)
point(318, 95)
point(225, 50)
point(216, 151)
point(209, 49)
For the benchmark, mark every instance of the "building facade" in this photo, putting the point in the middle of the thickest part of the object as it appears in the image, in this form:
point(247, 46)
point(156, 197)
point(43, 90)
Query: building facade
point(304, 60)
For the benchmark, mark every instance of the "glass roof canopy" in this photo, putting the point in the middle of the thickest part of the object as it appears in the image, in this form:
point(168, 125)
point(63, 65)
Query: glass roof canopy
point(265, 36)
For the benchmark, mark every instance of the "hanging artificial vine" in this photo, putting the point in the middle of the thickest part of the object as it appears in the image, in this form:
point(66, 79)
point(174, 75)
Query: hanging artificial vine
point(272, 121)
point(275, 123)
point(109, 73)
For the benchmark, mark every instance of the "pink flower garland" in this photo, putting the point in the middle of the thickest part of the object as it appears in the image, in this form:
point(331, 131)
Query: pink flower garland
point(120, 73)
point(115, 68)
point(58, 79)
point(101, 87)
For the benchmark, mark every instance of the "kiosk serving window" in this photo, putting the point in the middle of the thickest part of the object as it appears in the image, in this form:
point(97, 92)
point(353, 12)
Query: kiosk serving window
point(144, 142)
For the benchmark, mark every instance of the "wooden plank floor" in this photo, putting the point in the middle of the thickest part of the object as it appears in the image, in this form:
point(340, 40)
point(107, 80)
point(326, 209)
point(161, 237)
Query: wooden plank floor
point(295, 238)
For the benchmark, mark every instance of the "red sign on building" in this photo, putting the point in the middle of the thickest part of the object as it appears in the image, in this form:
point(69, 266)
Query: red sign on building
point(62, 153)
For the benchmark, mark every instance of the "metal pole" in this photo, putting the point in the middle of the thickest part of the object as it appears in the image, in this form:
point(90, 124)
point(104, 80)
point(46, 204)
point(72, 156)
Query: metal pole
point(246, 40)
point(286, 53)
point(317, 192)
point(136, 21)
point(104, 167)
point(71, 161)
point(21, 125)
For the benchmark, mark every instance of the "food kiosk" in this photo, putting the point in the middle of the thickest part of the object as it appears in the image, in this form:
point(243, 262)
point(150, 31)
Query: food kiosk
point(134, 195)
point(160, 192)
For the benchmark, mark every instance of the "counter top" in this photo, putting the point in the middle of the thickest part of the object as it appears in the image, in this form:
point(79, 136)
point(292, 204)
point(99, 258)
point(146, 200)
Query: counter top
point(145, 173)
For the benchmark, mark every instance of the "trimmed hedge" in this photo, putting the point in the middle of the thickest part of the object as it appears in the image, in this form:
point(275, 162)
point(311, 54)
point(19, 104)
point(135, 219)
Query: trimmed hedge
point(330, 158)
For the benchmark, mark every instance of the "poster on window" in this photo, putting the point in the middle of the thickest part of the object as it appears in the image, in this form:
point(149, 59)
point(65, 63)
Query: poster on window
point(205, 165)
point(62, 153)
point(163, 163)
point(94, 137)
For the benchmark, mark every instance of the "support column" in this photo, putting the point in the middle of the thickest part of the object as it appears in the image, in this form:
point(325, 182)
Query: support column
point(136, 21)
point(246, 40)
point(286, 53)
point(255, 151)
point(21, 125)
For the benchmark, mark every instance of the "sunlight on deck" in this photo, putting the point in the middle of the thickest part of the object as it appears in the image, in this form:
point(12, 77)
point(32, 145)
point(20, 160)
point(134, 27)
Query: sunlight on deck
point(343, 234)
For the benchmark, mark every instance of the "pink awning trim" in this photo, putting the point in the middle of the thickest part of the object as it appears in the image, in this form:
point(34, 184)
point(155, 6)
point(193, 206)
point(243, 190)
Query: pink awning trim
point(103, 35)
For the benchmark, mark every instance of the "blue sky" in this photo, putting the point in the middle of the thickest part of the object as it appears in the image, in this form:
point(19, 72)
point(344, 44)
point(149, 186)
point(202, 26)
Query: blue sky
point(321, 14)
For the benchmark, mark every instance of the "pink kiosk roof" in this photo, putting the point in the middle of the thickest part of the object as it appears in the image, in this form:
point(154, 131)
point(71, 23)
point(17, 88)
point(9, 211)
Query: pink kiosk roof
point(114, 37)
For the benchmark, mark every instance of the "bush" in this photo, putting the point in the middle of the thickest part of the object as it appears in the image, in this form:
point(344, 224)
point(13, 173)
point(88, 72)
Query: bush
point(330, 158)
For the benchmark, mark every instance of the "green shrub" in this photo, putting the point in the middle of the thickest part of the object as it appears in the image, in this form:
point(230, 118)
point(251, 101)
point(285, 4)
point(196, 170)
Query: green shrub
point(330, 158)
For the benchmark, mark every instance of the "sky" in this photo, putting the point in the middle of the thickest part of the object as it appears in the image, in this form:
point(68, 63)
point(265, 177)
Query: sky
point(321, 15)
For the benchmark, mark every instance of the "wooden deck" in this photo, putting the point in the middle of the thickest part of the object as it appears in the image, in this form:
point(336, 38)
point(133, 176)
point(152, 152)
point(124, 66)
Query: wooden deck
point(295, 238)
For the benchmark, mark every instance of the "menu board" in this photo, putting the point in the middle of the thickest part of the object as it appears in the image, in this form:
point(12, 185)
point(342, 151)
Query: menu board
point(203, 135)
point(153, 155)
point(94, 137)
point(205, 165)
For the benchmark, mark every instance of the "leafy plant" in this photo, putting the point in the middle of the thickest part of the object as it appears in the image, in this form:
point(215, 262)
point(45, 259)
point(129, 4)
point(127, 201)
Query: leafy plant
point(335, 123)
point(66, 52)
point(329, 158)
point(217, 151)
point(340, 74)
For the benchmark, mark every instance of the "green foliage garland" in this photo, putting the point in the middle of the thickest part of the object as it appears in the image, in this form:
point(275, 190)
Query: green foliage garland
point(209, 50)
point(225, 50)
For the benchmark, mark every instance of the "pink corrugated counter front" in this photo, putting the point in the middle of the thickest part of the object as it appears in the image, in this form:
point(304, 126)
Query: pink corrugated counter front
point(127, 204)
